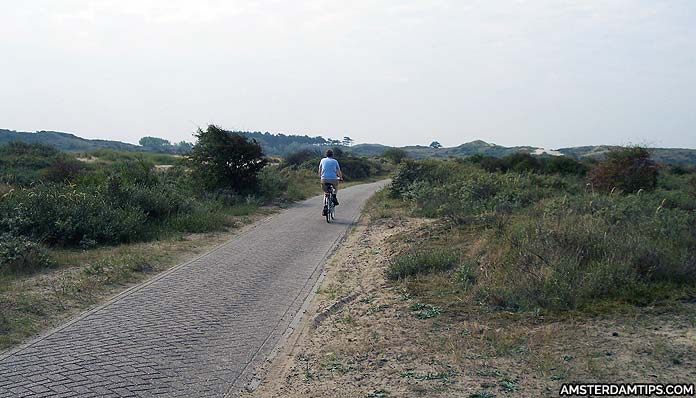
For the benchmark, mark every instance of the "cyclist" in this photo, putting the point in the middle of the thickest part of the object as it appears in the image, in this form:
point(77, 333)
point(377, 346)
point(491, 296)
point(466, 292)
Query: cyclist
point(330, 174)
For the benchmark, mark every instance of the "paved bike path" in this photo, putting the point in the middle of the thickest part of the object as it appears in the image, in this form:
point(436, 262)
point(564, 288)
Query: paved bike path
point(192, 331)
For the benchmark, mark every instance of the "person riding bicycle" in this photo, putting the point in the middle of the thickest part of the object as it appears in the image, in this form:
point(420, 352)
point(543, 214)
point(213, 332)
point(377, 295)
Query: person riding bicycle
point(330, 174)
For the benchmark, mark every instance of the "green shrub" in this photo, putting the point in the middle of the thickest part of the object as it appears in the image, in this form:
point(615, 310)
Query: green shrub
point(272, 184)
point(19, 254)
point(394, 155)
point(429, 171)
point(353, 168)
point(422, 262)
point(157, 202)
point(296, 159)
point(525, 162)
point(626, 169)
point(557, 246)
point(25, 164)
point(63, 170)
point(563, 165)
point(61, 214)
point(223, 159)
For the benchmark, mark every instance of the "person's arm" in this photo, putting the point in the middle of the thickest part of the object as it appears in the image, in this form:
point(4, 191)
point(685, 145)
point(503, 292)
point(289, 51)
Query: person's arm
point(320, 170)
point(338, 172)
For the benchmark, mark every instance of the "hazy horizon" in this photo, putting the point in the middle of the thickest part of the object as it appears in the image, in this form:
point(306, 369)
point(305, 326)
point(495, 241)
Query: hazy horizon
point(546, 73)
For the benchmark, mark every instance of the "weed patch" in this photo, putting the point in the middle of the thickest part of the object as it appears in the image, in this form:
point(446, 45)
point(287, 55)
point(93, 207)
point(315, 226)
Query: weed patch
point(422, 262)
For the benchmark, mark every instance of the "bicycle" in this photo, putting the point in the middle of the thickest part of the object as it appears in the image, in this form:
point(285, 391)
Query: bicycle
point(329, 207)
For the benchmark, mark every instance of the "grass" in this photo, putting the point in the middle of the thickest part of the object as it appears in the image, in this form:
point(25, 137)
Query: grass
point(527, 242)
point(511, 262)
point(422, 262)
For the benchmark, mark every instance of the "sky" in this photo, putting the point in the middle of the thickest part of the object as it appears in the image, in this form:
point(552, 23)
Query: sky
point(547, 73)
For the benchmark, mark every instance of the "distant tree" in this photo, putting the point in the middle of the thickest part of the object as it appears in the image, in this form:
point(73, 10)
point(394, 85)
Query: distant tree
point(347, 141)
point(226, 160)
point(299, 157)
point(155, 144)
point(338, 152)
point(395, 155)
point(183, 147)
point(435, 145)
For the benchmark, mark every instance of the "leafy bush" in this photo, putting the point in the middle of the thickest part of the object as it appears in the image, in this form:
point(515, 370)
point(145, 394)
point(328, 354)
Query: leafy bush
point(63, 170)
point(525, 162)
point(25, 164)
point(272, 184)
point(627, 169)
point(422, 262)
point(19, 254)
point(223, 159)
point(464, 192)
point(551, 244)
point(62, 214)
point(394, 155)
point(428, 171)
point(358, 168)
point(353, 168)
point(563, 165)
point(296, 159)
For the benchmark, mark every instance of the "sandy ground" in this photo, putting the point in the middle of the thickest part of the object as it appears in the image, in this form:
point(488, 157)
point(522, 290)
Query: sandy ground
point(364, 336)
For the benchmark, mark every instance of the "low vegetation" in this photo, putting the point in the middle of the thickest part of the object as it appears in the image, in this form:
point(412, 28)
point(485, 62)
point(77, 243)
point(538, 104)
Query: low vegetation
point(552, 238)
point(61, 211)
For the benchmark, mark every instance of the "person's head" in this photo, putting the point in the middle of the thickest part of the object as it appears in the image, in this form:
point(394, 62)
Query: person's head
point(329, 153)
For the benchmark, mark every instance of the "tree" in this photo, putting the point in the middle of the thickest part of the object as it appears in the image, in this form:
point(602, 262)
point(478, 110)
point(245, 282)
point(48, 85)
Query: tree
point(299, 157)
point(183, 147)
point(395, 155)
point(155, 144)
point(347, 141)
point(226, 160)
point(435, 145)
point(338, 152)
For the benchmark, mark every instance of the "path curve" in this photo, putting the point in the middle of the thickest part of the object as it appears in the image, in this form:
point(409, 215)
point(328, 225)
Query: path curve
point(192, 331)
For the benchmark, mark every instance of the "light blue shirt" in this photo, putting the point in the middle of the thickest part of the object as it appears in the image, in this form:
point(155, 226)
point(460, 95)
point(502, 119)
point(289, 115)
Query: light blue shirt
point(329, 169)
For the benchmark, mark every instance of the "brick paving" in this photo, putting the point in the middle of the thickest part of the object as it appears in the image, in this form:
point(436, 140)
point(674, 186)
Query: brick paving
point(193, 331)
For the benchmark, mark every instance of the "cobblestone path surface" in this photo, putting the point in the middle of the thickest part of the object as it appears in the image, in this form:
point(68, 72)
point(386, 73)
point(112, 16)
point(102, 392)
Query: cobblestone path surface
point(192, 331)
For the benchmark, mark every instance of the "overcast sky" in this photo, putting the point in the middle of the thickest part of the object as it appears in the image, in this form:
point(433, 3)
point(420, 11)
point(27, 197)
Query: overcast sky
point(549, 73)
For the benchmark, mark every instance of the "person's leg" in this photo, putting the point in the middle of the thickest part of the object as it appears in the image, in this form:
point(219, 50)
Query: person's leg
point(325, 189)
point(335, 186)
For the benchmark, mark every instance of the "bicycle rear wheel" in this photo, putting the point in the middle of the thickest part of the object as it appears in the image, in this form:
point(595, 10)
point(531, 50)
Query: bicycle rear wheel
point(327, 206)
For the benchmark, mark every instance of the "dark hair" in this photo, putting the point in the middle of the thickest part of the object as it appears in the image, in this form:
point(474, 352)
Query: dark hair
point(329, 153)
